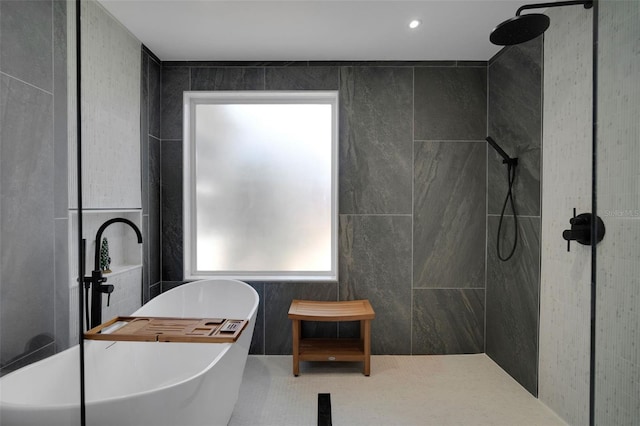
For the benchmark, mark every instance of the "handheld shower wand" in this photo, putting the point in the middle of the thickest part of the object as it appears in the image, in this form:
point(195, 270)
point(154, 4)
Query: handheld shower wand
point(511, 163)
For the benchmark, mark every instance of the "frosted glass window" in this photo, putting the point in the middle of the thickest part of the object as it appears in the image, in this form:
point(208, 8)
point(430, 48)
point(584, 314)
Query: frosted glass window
point(261, 185)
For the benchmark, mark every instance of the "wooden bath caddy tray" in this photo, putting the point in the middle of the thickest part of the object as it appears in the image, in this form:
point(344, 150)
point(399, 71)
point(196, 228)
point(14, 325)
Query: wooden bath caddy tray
point(164, 329)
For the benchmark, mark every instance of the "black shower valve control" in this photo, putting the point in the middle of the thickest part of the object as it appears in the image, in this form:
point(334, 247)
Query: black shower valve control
point(581, 229)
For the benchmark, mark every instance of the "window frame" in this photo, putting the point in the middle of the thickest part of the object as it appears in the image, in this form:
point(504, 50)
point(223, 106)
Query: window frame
point(193, 98)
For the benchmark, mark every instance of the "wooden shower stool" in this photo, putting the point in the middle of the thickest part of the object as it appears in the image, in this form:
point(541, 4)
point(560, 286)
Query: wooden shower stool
point(332, 349)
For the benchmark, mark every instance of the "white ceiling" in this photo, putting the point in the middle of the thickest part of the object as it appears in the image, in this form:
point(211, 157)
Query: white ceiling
point(325, 30)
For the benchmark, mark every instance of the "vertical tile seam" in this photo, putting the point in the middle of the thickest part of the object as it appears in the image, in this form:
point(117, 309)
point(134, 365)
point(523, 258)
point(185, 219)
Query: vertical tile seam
point(486, 220)
point(413, 173)
point(52, 160)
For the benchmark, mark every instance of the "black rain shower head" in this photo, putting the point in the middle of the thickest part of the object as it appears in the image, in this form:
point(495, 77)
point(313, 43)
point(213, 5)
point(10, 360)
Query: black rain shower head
point(522, 28)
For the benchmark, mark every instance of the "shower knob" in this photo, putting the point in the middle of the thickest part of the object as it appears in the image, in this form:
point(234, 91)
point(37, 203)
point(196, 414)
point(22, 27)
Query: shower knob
point(581, 229)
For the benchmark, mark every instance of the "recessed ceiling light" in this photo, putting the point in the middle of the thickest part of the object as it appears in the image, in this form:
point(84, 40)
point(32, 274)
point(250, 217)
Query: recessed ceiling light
point(414, 24)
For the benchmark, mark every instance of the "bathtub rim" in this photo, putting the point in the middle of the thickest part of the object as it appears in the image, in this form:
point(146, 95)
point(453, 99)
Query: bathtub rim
point(88, 343)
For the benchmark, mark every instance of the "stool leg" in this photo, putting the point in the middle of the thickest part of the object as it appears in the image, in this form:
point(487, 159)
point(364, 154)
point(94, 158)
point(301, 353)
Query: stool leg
point(296, 347)
point(365, 330)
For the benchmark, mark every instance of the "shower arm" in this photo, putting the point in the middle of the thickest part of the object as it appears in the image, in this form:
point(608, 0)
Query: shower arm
point(588, 4)
point(506, 159)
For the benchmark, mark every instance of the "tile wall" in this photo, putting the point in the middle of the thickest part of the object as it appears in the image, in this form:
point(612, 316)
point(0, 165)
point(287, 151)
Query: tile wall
point(150, 157)
point(617, 372)
point(513, 287)
point(34, 275)
point(412, 191)
point(565, 293)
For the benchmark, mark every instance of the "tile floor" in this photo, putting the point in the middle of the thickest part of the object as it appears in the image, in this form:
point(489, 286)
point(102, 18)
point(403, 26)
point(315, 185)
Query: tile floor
point(401, 391)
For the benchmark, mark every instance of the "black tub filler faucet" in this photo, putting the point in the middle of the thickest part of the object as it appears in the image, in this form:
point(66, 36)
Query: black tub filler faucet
point(96, 280)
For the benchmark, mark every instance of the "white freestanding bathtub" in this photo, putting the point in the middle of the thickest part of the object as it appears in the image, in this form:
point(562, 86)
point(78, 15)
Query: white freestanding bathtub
point(142, 383)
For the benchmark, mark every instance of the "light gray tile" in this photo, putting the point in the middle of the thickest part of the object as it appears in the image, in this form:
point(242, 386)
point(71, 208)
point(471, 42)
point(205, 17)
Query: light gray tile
point(449, 215)
point(62, 280)
point(375, 264)
point(26, 44)
point(375, 140)
point(277, 299)
point(448, 321)
point(513, 293)
point(26, 223)
point(450, 103)
point(60, 107)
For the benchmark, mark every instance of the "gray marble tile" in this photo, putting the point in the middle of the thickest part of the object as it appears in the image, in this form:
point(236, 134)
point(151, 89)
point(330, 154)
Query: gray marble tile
point(174, 82)
point(375, 152)
point(450, 103)
point(26, 43)
point(375, 264)
point(154, 210)
point(448, 321)
point(154, 98)
point(515, 122)
point(26, 223)
point(171, 211)
point(257, 341)
point(513, 293)
point(301, 78)
point(62, 280)
point(277, 299)
point(227, 78)
point(449, 214)
point(60, 107)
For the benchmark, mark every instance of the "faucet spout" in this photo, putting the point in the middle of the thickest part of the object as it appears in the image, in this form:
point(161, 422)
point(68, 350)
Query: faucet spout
point(96, 279)
point(96, 265)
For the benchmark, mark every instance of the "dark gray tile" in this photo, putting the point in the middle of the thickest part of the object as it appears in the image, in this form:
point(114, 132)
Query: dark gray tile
point(60, 107)
point(375, 264)
point(277, 299)
point(449, 214)
point(227, 78)
point(171, 211)
point(450, 103)
point(26, 43)
point(515, 122)
point(448, 321)
point(154, 210)
point(155, 100)
point(144, 130)
point(513, 293)
point(174, 82)
point(62, 280)
point(302, 78)
point(375, 140)
point(145, 259)
point(257, 341)
point(26, 223)
point(155, 290)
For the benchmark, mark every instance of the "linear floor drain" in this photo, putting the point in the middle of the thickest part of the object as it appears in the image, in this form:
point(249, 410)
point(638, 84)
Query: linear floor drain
point(324, 409)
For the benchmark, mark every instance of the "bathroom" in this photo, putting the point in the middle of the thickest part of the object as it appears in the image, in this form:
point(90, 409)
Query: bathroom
point(420, 193)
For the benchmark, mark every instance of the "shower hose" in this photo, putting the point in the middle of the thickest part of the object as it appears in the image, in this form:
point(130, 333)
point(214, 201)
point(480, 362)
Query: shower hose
point(511, 177)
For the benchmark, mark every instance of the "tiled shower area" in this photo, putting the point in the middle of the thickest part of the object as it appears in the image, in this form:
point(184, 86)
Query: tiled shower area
point(419, 199)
